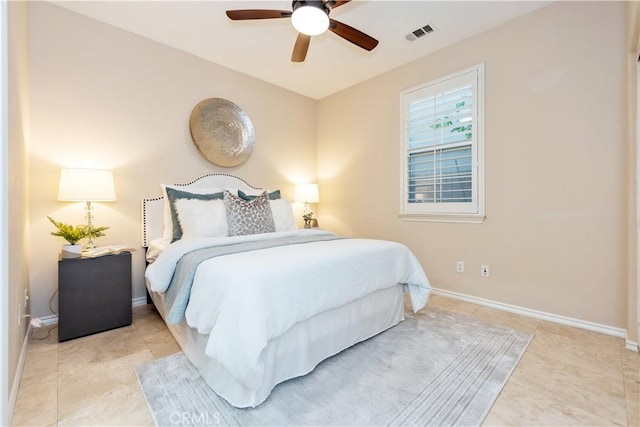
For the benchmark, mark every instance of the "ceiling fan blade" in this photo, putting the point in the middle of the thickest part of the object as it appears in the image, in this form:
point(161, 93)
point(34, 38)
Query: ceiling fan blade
point(356, 37)
point(243, 14)
point(301, 47)
point(332, 4)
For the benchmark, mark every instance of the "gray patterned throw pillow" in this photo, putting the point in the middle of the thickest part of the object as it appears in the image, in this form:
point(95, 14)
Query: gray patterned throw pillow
point(248, 216)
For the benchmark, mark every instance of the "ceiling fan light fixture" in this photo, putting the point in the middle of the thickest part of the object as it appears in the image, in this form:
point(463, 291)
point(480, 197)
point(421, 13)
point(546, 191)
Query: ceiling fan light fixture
point(310, 19)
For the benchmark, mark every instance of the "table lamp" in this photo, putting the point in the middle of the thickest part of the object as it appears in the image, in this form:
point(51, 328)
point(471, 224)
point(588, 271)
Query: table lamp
point(87, 185)
point(307, 193)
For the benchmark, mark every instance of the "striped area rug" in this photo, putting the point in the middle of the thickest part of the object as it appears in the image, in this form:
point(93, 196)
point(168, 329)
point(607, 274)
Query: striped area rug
point(434, 369)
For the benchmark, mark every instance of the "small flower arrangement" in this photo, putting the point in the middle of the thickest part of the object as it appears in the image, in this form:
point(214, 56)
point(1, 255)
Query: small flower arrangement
point(307, 217)
point(73, 234)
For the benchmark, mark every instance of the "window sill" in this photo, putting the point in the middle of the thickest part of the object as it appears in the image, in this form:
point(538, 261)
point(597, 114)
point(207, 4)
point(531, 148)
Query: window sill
point(459, 218)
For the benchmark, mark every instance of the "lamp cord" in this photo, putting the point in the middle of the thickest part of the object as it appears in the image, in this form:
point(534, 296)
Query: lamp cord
point(51, 300)
point(53, 326)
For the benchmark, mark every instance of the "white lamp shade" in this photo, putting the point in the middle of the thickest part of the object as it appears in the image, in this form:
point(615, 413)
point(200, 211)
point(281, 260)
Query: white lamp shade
point(86, 185)
point(310, 20)
point(307, 193)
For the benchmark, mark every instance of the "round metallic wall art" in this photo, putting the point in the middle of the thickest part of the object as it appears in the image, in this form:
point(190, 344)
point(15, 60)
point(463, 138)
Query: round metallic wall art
point(222, 132)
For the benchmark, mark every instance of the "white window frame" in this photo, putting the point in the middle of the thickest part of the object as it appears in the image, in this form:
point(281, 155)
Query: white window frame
point(450, 212)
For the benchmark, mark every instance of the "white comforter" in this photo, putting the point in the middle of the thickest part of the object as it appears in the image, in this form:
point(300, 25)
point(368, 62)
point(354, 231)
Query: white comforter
point(243, 300)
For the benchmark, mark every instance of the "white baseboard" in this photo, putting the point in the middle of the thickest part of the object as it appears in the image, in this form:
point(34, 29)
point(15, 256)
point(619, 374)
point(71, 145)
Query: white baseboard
point(631, 345)
point(49, 320)
point(137, 302)
point(53, 319)
point(556, 318)
point(563, 320)
point(13, 394)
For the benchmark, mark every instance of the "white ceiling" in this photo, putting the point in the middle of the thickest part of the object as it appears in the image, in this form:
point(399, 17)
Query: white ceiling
point(262, 48)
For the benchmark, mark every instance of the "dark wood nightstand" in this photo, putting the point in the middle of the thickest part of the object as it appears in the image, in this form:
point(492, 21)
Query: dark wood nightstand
point(94, 295)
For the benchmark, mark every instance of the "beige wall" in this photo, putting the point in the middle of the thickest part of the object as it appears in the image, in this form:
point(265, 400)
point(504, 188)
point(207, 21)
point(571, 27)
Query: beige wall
point(555, 233)
point(633, 33)
point(558, 208)
point(17, 177)
point(103, 97)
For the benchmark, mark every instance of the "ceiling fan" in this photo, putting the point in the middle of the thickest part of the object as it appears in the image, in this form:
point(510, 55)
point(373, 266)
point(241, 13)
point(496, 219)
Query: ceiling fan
point(310, 18)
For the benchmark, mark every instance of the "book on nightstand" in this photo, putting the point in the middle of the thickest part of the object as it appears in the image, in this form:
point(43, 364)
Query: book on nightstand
point(106, 250)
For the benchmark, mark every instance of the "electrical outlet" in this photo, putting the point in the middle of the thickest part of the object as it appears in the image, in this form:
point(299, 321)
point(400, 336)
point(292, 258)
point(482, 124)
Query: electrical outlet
point(484, 270)
point(460, 266)
point(26, 299)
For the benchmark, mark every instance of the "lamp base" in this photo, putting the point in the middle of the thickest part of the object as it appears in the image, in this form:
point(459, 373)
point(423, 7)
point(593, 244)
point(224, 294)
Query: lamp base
point(89, 209)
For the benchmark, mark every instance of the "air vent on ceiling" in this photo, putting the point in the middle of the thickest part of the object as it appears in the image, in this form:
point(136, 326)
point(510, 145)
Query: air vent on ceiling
point(420, 32)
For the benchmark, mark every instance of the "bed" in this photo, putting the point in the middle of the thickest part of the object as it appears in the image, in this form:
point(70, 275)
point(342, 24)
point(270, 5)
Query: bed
point(252, 305)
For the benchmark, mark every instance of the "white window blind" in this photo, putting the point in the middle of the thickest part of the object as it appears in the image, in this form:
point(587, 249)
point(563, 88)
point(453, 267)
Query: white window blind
point(441, 150)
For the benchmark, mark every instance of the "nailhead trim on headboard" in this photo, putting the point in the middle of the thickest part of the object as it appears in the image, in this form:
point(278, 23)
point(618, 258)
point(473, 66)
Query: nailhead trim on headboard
point(145, 243)
point(218, 174)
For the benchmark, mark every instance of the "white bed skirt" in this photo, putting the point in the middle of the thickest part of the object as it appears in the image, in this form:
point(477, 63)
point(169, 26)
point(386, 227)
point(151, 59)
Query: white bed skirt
point(299, 350)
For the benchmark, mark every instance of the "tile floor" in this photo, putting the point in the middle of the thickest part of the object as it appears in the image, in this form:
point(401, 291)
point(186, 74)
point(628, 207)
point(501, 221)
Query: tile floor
point(567, 376)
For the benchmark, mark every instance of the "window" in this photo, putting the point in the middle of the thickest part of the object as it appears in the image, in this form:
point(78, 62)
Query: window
point(442, 148)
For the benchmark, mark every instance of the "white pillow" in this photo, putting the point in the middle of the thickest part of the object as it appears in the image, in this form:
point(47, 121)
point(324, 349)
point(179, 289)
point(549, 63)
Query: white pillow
point(166, 213)
point(282, 215)
point(155, 248)
point(202, 218)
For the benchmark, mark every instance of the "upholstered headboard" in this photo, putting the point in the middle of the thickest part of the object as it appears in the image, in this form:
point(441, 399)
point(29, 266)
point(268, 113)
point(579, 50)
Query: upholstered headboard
point(152, 208)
